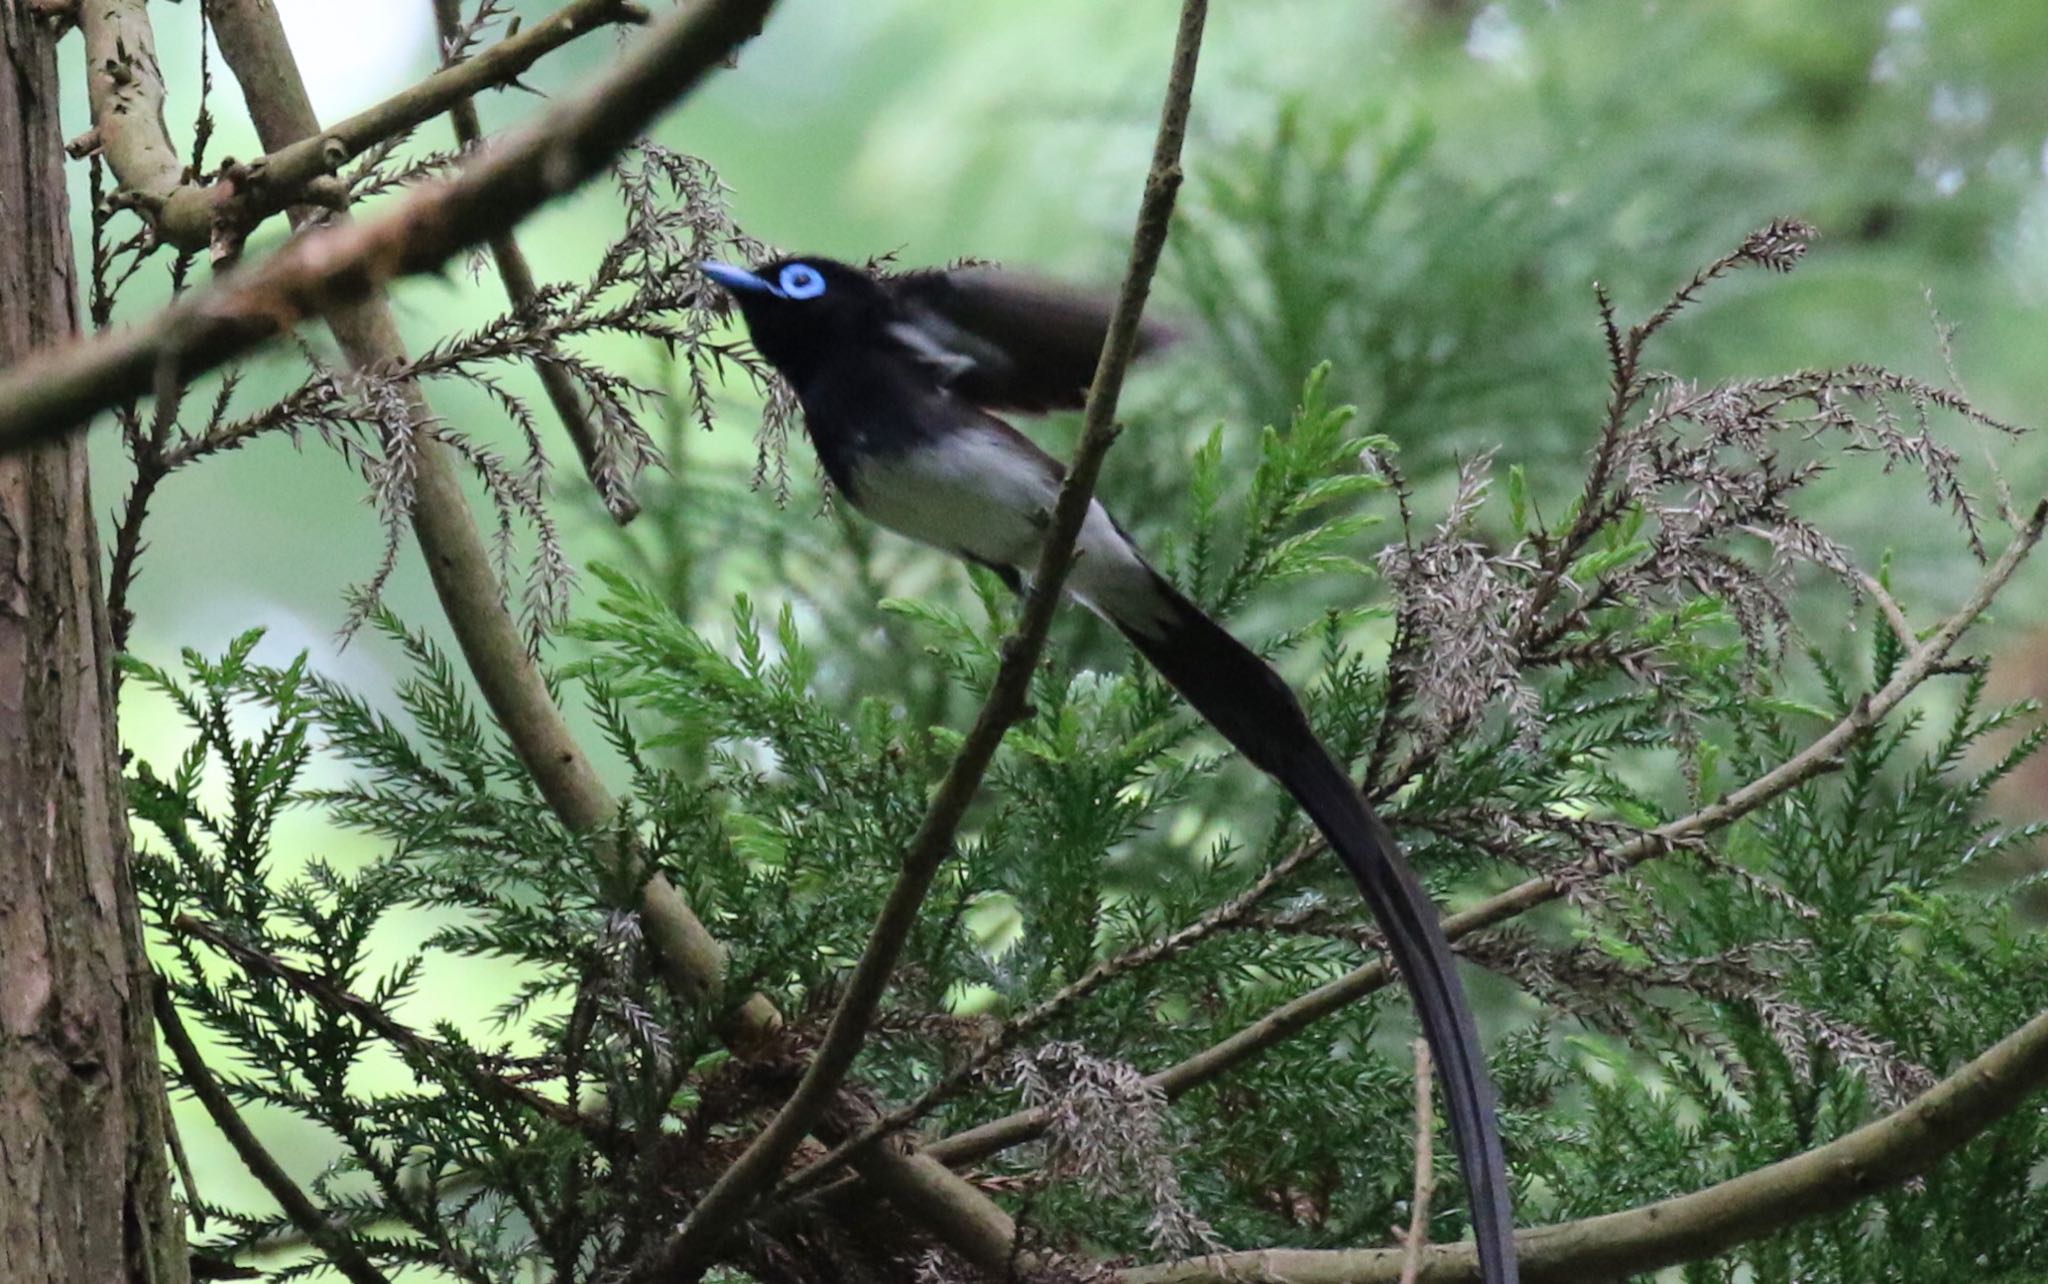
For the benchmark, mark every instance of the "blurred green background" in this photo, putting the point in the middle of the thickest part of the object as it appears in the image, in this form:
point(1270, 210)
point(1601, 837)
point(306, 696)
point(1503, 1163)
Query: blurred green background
point(1422, 191)
point(1457, 176)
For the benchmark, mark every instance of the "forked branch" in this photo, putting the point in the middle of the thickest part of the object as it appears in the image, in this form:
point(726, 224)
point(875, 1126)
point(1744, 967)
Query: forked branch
point(192, 213)
point(59, 391)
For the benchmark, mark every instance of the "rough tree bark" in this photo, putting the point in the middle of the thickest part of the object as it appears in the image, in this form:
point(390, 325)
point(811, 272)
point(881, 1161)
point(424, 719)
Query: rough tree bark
point(84, 1188)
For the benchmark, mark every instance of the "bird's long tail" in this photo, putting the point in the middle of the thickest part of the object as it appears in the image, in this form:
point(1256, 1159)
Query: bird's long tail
point(1254, 709)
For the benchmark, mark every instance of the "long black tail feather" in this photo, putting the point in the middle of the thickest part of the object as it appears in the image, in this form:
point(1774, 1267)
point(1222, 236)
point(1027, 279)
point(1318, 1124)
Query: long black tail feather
point(1254, 709)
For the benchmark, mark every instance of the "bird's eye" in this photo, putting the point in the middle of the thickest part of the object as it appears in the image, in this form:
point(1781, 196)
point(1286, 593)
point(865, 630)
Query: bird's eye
point(801, 281)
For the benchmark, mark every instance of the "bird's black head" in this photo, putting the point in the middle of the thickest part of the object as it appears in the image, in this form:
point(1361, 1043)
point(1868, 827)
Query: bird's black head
point(997, 339)
point(799, 310)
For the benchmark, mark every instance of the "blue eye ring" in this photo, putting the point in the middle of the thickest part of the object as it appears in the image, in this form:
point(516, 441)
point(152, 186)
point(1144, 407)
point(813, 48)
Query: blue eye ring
point(800, 281)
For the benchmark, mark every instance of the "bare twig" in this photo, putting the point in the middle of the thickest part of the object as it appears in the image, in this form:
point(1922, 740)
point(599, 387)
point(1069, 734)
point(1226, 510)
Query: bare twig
point(329, 1238)
point(1894, 614)
point(456, 557)
point(125, 90)
point(521, 289)
point(1944, 341)
point(192, 215)
point(738, 1188)
point(1425, 1170)
point(58, 391)
point(1823, 1180)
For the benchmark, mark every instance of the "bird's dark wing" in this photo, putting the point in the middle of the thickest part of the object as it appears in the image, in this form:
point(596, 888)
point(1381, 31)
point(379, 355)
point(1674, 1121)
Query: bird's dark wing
point(1005, 340)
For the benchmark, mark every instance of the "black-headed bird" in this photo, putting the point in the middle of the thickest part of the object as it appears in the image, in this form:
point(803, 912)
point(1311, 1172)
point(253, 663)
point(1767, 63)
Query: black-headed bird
point(897, 378)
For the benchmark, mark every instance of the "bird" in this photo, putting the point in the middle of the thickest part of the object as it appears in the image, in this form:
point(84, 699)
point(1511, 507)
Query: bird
point(900, 378)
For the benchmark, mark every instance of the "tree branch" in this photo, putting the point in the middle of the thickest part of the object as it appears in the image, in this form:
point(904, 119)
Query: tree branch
point(342, 1252)
point(1710, 1221)
point(125, 89)
point(189, 214)
point(58, 391)
point(741, 1185)
point(253, 42)
point(1042, 1014)
point(1425, 1171)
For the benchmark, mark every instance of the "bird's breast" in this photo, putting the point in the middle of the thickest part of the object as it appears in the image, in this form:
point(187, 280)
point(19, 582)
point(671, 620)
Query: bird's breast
point(967, 491)
point(973, 492)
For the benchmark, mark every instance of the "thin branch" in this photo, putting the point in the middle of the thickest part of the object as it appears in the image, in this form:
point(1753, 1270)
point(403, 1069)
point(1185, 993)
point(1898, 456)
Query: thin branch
point(1425, 1170)
point(125, 90)
point(693, 961)
point(325, 1235)
point(1227, 915)
point(1944, 340)
point(1777, 247)
point(1826, 1179)
point(1894, 614)
point(457, 559)
point(124, 562)
point(741, 1185)
point(58, 391)
point(522, 290)
point(1818, 757)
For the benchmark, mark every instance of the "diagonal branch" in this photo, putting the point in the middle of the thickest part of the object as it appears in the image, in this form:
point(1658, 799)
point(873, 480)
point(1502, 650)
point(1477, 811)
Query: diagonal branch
point(253, 41)
point(188, 213)
point(741, 1185)
point(971, 1067)
point(58, 391)
point(408, 1042)
point(1690, 1227)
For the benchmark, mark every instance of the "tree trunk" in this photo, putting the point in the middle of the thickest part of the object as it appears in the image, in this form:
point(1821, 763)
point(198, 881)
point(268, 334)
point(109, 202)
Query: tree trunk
point(84, 1188)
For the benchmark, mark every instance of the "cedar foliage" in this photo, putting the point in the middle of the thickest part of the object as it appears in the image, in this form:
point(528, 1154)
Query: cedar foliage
point(1523, 696)
point(1527, 676)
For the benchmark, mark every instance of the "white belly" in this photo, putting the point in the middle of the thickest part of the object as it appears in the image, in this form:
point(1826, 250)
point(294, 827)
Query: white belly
point(974, 494)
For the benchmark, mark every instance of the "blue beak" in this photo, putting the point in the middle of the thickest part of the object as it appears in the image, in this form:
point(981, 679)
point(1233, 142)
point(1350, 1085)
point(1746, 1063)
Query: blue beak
point(738, 280)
